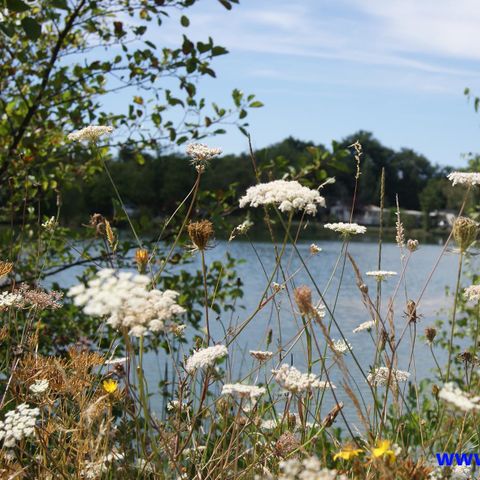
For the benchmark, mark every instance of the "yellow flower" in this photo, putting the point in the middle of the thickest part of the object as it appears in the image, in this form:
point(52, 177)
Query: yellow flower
point(347, 453)
point(110, 385)
point(383, 448)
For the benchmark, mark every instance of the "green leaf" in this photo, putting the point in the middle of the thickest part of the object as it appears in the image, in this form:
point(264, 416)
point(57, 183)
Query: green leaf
point(17, 6)
point(216, 51)
point(32, 28)
point(60, 4)
point(184, 21)
point(256, 104)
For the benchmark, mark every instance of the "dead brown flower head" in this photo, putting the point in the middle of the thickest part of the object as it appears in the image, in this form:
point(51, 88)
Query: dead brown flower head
point(286, 444)
point(430, 333)
point(303, 299)
point(412, 245)
point(200, 233)
point(464, 232)
point(5, 268)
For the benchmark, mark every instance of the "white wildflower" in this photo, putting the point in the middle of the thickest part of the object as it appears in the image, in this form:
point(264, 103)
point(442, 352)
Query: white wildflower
point(321, 309)
point(124, 297)
point(10, 300)
point(383, 375)
point(380, 275)
point(201, 154)
point(91, 133)
point(454, 395)
point(472, 293)
point(173, 405)
point(205, 357)
point(314, 249)
point(268, 425)
point(364, 326)
point(341, 346)
point(18, 424)
point(464, 178)
point(294, 381)
point(241, 229)
point(50, 224)
point(346, 228)
point(308, 469)
point(116, 361)
point(276, 287)
point(287, 195)
point(243, 391)
point(261, 356)
point(39, 386)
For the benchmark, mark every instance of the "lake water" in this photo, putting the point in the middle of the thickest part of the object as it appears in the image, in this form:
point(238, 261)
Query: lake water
point(349, 311)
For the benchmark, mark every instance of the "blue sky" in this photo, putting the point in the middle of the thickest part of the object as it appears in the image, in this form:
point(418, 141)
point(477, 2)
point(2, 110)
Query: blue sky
point(326, 68)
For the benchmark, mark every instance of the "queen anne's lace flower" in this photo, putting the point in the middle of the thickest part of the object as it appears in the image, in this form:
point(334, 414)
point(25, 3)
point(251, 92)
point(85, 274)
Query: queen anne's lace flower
point(380, 275)
point(472, 293)
point(39, 386)
point(91, 133)
point(201, 154)
point(18, 424)
point(243, 391)
point(452, 394)
point(364, 326)
point(307, 469)
point(127, 302)
point(287, 195)
point(341, 346)
point(346, 228)
point(464, 178)
point(383, 375)
point(205, 357)
point(294, 381)
point(10, 300)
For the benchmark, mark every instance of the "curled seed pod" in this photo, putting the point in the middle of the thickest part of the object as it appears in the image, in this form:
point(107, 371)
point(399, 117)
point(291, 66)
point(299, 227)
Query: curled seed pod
point(464, 232)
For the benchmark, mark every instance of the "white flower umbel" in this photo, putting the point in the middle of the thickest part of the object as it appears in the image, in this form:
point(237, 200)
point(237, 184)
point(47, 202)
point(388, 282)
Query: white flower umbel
point(364, 326)
point(126, 300)
point(380, 275)
point(201, 154)
point(288, 196)
point(294, 381)
point(383, 375)
point(314, 249)
point(40, 386)
point(205, 357)
point(341, 346)
point(308, 469)
point(454, 395)
point(10, 300)
point(464, 178)
point(261, 356)
point(18, 424)
point(346, 228)
point(91, 133)
point(240, 390)
point(472, 293)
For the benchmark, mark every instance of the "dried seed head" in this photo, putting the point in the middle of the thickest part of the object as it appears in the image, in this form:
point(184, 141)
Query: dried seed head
point(97, 221)
point(464, 232)
point(412, 311)
point(467, 357)
point(435, 390)
point(412, 245)
point(5, 268)
point(303, 298)
point(200, 233)
point(141, 257)
point(286, 444)
point(430, 333)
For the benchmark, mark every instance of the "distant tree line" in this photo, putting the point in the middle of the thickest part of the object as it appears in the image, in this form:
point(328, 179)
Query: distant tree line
point(152, 185)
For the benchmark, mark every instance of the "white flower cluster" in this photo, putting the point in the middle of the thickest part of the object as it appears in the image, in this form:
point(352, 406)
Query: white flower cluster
point(10, 300)
point(287, 195)
point(50, 224)
point(241, 229)
point(464, 178)
point(294, 381)
point(307, 469)
point(454, 395)
point(457, 472)
point(341, 346)
point(364, 326)
point(380, 275)
point(127, 302)
point(383, 375)
point(243, 391)
point(18, 424)
point(205, 357)
point(472, 293)
point(346, 228)
point(261, 356)
point(94, 470)
point(39, 386)
point(91, 133)
point(201, 154)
